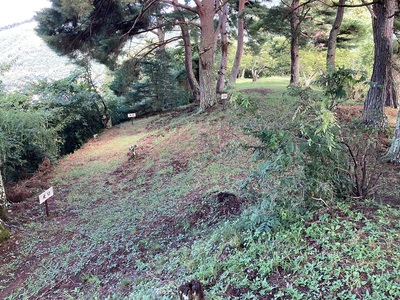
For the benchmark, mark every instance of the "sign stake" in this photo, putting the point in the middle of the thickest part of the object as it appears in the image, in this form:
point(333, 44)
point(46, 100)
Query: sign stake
point(47, 209)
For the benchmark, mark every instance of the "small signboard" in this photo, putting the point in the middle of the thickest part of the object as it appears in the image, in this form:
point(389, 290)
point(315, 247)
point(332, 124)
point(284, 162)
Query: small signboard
point(224, 96)
point(43, 198)
point(132, 115)
point(46, 195)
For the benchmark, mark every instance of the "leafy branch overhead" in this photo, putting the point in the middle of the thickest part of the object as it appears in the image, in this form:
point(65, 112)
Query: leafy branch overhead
point(99, 30)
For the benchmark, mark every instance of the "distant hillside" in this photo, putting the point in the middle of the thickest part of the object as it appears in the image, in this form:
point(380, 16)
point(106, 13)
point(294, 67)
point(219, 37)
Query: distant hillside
point(30, 57)
point(15, 24)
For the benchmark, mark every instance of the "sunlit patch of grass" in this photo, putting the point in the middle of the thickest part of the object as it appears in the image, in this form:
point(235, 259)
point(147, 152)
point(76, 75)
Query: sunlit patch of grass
point(276, 83)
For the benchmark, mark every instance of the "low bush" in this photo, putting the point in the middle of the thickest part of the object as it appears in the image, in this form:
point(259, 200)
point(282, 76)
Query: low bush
point(309, 160)
point(25, 139)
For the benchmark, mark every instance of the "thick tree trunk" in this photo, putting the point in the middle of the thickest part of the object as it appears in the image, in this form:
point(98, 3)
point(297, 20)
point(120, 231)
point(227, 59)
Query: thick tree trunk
point(240, 45)
point(224, 50)
point(373, 113)
point(332, 41)
point(294, 44)
point(206, 54)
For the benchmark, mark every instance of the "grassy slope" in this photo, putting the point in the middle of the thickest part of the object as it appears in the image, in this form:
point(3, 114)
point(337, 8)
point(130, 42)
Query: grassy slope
point(138, 229)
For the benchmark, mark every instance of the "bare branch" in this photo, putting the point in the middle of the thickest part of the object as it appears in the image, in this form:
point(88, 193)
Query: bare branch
point(175, 3)
point(301, 5)
point(154, 46)
point(178, 23)
point(220, 5)
point(337, 4)
point(142, 11)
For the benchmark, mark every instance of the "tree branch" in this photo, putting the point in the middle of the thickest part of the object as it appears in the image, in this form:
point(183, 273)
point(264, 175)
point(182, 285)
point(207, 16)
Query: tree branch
point(181, 5)
point(155, 46)
point(221, 5)
point(142, 11)
point(337, 4)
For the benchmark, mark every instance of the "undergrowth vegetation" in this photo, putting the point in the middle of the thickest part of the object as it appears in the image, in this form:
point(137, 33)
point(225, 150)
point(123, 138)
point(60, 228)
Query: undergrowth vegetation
point(262, 213)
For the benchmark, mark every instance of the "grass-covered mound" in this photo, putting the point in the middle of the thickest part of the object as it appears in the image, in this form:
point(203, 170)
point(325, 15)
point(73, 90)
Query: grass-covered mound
point(122, 228)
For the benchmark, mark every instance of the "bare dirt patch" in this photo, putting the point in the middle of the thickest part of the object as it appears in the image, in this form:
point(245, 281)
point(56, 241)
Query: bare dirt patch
point(218, 205)
point(351, 113)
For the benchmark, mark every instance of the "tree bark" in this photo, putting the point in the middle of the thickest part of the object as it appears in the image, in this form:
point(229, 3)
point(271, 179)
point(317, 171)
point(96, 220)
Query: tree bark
point(332, 41)
point(224, 50)
point(391, 93)
point(206, 10)
point(240, 45)
point(206, 54)
point(381, 79)
point(294, 44)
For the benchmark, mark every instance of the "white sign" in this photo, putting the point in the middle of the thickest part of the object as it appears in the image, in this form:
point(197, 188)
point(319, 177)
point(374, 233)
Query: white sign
point(224, 96)
point(46, 195)
point(132, 115)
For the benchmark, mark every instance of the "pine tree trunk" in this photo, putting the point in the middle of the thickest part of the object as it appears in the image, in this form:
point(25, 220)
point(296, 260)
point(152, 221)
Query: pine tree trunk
point(332, 41)
point(294, 44)
point(206, 55)
point(224, 50)
point(240, 45)
point(379, 92)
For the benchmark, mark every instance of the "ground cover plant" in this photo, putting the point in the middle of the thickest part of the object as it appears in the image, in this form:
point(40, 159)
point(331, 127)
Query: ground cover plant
point(139, 228)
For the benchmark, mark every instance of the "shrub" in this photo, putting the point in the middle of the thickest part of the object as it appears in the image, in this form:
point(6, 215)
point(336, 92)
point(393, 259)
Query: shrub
point(304, 162)
point(25, 140)
point(365, 169)
point(307, 158)
point(73, 108)
point(158, 87)
point(343, 84)
point(242, 100)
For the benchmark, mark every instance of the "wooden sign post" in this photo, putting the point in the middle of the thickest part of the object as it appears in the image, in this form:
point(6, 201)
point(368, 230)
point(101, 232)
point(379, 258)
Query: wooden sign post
point(43, 198)
point(224, 97)
point(132, 116)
